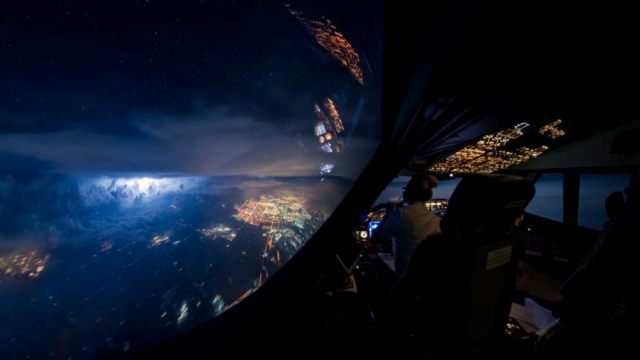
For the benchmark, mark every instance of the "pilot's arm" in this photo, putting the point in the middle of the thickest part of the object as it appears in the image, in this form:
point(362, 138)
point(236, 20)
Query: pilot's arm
point(390, 228)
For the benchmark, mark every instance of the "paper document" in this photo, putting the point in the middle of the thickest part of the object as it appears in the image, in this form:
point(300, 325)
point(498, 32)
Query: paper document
point(533, 317)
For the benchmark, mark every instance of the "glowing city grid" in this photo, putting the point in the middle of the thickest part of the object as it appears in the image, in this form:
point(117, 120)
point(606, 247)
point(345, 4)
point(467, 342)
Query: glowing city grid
point(28, 265)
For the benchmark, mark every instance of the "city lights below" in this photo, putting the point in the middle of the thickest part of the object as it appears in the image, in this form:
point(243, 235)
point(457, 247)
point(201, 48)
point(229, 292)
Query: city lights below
point(219, 231)
point(285, 224)
point(218, 305)
point(269, 211)
point(183, 313)
point(28, 265)
point(240, 298)
point(158, 240)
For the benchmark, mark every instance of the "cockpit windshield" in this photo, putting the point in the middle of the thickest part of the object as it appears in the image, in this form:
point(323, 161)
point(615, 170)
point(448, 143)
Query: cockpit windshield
point(160, 161)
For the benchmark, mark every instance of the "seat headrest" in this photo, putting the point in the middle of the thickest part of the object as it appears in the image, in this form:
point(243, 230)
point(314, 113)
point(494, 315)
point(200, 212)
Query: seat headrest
point(486, 200)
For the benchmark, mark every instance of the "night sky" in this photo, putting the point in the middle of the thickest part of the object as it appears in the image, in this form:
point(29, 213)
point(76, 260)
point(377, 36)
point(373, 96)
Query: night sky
point(189, 87)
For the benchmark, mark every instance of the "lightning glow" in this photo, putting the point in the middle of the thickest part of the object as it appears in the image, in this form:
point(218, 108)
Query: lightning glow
point(131, 190)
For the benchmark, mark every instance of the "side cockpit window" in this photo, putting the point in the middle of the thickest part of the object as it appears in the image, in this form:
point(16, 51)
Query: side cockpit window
point(547, 201)
point(594, 191)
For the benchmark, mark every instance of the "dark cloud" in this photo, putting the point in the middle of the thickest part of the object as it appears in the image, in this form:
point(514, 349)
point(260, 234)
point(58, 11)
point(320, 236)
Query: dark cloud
point(21, 164)
point(41, 208)
point(212, 143)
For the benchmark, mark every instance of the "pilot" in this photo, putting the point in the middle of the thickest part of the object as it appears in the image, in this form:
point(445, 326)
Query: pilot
point(615, 207)
point(407, 226)
point(600, 295)
point(454, 294)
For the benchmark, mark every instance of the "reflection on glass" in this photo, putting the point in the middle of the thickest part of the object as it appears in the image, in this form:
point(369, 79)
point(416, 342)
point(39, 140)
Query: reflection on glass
point(333, 41)
point(393, 192)
point(499, 151)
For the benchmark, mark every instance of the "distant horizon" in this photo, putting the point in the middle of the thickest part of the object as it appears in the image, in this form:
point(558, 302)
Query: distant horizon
point(159, 175)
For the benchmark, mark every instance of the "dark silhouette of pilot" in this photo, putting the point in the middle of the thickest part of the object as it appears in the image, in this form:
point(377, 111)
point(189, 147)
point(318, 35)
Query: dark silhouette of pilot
point(452, 294)
point(407, 226)
point(600, 296)
point(583, 291)
point(615, 208)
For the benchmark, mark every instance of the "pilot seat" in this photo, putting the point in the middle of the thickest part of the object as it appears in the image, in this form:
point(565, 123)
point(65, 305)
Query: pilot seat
point(457, 292)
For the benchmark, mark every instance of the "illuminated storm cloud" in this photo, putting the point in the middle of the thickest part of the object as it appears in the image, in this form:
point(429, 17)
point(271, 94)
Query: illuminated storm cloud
point(328, 36)
point(489, 154)
point(128, 191)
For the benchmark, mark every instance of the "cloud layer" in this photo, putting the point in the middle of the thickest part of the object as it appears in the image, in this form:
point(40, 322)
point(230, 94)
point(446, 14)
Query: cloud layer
point(211, 143)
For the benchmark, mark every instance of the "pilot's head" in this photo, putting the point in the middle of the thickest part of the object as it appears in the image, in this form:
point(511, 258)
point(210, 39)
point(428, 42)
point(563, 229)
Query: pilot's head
point(420, 188)
point(487, 205)
point(615, 206)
